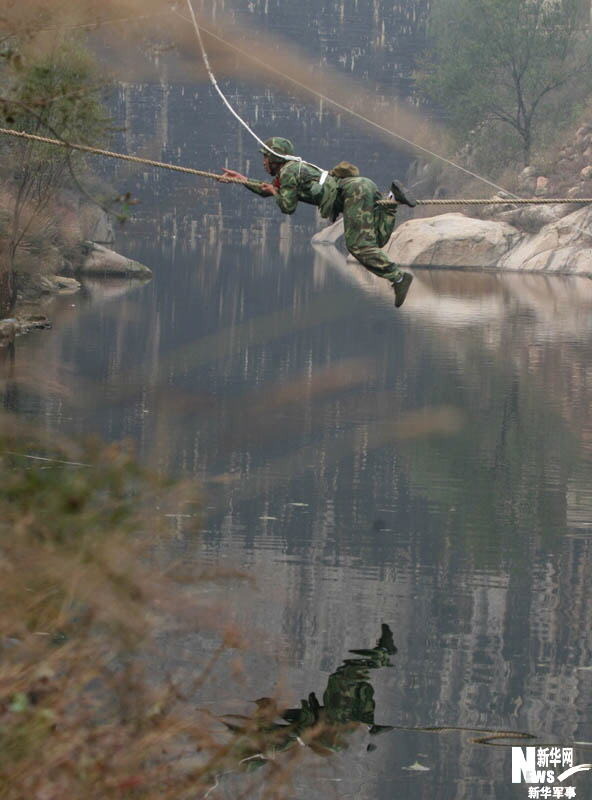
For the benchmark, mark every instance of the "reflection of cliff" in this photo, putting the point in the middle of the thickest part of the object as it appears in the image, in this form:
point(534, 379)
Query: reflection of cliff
point(513, 486)
point(560, 307)
point(290, 391)
point(481, 314)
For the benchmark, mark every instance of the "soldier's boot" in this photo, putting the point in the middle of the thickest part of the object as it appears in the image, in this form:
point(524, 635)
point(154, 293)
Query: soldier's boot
point(401, 286)
point(400, 281)
point(402, 195)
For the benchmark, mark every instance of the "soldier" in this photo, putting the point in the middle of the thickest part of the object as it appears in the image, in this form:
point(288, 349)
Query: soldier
point(367, 225)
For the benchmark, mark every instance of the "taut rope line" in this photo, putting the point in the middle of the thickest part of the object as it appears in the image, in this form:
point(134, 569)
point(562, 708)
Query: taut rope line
point(223, 179)
point(111, 154)
point(348, 110)
point(214, 82)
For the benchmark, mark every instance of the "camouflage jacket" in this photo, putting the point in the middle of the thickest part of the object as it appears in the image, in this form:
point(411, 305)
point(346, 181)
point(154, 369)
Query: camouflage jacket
point(297, 182)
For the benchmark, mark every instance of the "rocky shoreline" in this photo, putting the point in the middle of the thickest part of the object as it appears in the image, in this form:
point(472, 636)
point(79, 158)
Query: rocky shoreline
point(543, 239)
point(551, 239)
point(91, 259)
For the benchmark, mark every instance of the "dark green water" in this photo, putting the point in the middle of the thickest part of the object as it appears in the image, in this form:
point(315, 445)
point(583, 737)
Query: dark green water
point(428, 468)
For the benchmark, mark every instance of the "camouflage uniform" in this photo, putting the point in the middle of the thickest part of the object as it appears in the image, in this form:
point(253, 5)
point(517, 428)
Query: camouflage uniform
point(367, 225)
point(297, 182)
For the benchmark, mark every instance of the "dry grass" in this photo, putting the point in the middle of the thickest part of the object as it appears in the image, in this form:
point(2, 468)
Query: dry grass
point(82, 712)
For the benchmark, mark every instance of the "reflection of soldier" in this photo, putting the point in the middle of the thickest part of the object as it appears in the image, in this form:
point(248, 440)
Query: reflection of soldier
point(368, 225)
point(349, 696)
point(348, 701)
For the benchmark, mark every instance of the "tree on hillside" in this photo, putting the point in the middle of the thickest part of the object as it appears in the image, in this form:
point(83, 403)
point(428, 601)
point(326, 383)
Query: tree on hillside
point(54, 94)
point(503, 61)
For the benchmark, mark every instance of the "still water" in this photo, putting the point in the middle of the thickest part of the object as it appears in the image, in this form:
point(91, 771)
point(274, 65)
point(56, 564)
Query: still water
point(414, 483)
point(427, 468)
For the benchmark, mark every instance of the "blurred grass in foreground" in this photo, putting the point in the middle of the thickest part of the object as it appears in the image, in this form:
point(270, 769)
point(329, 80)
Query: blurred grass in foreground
point(81, 713)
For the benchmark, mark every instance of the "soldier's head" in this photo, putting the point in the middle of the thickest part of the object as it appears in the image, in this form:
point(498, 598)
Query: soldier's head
point(273, 161)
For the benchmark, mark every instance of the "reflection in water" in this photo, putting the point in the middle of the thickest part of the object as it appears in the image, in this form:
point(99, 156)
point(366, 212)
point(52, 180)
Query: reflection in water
point(431, 466)
point(348, 701)
point(472, 535)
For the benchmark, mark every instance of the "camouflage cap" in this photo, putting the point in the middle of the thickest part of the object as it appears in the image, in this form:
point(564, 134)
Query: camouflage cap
point(279, 145)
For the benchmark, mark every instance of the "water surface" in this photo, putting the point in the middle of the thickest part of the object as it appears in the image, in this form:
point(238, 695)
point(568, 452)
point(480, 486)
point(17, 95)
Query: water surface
point(428, 468)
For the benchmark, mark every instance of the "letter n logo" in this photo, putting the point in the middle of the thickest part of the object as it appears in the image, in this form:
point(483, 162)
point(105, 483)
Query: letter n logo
point(523, 766)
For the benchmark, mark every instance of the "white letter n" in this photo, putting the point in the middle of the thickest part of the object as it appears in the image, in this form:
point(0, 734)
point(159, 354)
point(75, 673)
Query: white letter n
point(523, 767)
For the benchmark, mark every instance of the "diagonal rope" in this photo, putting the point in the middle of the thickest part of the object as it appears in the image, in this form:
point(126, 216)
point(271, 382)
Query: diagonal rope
point(226, 102)
point(515, 198)
point(348, 110)
point(356, 114)
point(122, 156)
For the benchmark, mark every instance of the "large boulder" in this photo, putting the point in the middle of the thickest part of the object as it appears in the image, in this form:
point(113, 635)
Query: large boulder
point(563, 246)
point(97, 225)
point(329, 235)
point(452, 240)
point(99, 260)
point(531, 218)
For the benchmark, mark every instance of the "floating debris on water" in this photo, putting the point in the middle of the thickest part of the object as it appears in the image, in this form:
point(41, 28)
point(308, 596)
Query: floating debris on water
point(417, 767)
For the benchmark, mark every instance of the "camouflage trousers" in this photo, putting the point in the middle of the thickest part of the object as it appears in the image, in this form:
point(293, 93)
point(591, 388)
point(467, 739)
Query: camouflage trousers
point(368, 226)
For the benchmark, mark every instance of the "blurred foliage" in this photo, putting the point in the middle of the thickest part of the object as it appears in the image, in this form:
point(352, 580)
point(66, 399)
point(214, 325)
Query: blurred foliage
point(495, 64)
point(83, 714)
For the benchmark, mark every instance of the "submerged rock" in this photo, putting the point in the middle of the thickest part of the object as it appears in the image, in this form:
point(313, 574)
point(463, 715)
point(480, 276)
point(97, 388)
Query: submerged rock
point(58, 284)
point(99, 260)
point(8, 331)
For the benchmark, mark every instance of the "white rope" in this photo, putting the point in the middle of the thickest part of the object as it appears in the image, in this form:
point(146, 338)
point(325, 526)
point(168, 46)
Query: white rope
point(348, 110)
point(226, 102)
point(338, 105)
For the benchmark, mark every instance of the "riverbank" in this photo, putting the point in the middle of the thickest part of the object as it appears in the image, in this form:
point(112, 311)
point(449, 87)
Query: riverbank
point(66, 270)
point(547, 239)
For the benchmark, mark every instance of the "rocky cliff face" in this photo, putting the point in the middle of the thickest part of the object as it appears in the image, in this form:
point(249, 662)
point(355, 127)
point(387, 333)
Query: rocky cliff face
point(569, 174)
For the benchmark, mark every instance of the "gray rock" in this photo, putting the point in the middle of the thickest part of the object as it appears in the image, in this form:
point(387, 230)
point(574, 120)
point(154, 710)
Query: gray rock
point(542, 186)
point(452, 240)
point(97, 225)
point(528, 172)
point(330, 234)
point(531, 219)
point(8, 331)
point(99, 260)
point(58, 284)
point(29, 322)
point(563, 246)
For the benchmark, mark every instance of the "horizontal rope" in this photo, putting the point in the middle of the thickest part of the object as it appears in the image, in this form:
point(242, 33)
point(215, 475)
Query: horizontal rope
point(222, 178)
point(511, 201)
